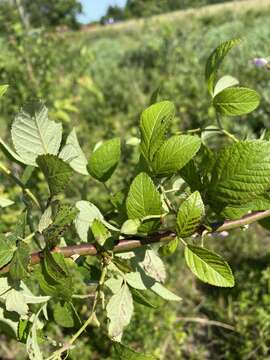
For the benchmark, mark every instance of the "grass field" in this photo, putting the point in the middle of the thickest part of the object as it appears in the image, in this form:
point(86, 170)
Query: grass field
point(237, 7)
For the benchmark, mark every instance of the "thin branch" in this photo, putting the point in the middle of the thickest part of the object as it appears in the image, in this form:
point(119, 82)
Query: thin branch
point(17, 181)
point(130, 244)
point(207, 322)
point(246, 220)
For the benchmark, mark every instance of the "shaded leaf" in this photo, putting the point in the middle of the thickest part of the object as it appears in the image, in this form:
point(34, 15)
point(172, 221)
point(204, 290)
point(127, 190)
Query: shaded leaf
point(23, 330)
point(19, 263)
point(139, 298)
point(56, 172)
point(3, 89)
point(7, 250)
point(54, 276)
point(64, 217)
point(169, 248)
point(63, 314)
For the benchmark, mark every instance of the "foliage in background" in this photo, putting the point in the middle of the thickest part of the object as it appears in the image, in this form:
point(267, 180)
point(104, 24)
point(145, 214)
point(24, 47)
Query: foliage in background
point(146, 8)
point(39, 13)
point(101, 91)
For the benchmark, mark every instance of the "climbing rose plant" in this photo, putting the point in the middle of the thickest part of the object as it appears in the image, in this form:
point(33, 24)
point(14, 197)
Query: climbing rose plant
point(181, 193)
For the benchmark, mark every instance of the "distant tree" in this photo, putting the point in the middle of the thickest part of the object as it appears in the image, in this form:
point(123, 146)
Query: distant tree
point(114, 12)
point(51, 13)
point(146, 8)
point(40, 13)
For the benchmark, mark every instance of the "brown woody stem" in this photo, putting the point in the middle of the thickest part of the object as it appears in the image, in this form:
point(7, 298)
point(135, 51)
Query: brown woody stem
point(130, 244)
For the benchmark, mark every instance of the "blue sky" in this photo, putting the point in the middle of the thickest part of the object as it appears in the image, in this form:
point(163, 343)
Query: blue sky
point(94, 9)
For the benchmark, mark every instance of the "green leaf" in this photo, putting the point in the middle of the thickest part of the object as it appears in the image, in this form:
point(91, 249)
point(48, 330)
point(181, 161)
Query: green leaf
point(100, 232)
point(153, 265)
point(19, 263)
point(164, 293)
point(265, 223)
point(55, 266)
point(122, 352)
point(6, 251)
point(9, 153)
point(64, 217)
point(141, 281)
point(114, 284)
point(23, 330)
point(208, 266)
point(104, 160)
point(155, 96)
point(119, 312)
point(3, 89)
point(33, 134)
point(54, 277)
point(8, 323)
point(63, 314)
point(27, 174)
point(130, 227)
point(214, 61)
point(56, 172)
point(153, 126)
point(139, 298)
point(73, 154)
point(15, 302)
point(236, 212)
point(88, 212)
point(32, 346)
point(236, 101)
point(19, 231)
point(143, 200)
point(5, 202)
point(189, 215)
point(224, 83)
point(169, 249)
point(174, 154)
point(45, 220)
point(48, 286)
point(191, 175)
point(241, 173)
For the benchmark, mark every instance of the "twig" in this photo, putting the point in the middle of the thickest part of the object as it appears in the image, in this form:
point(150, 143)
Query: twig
point(25, 190)
point(206, 322)
point(88, 249)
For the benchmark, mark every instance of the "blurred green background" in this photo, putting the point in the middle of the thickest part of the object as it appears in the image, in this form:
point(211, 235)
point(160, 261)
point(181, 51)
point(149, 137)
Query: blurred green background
point(99, 79)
